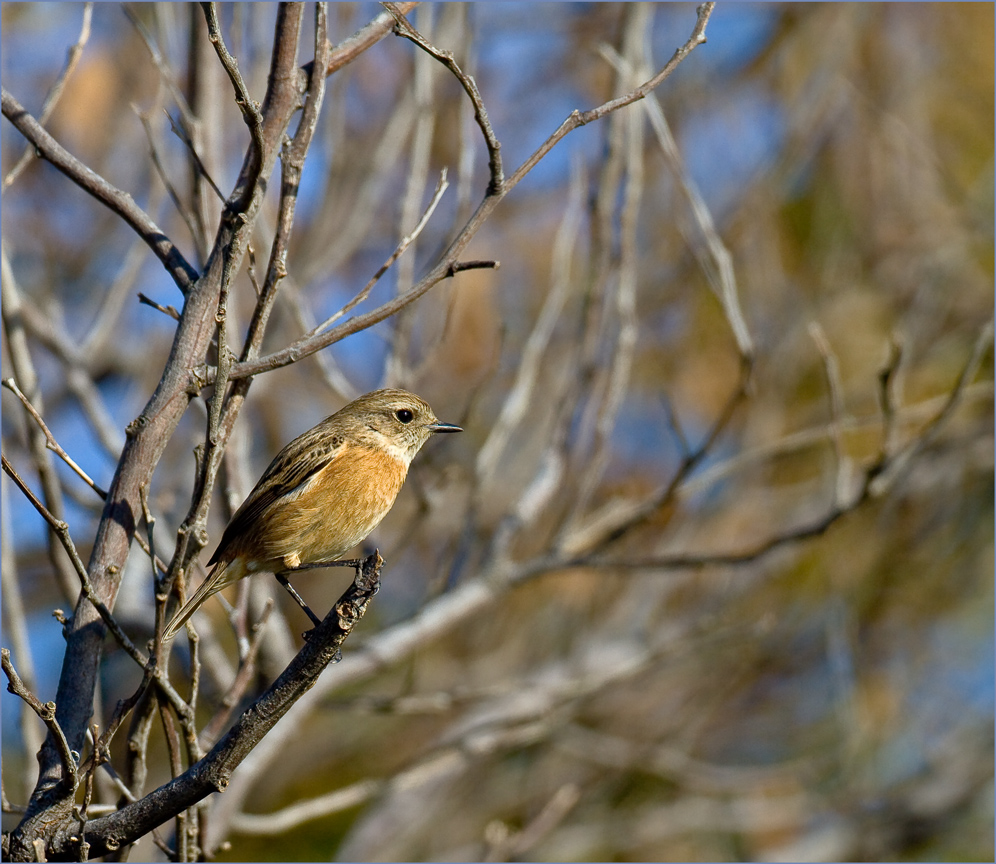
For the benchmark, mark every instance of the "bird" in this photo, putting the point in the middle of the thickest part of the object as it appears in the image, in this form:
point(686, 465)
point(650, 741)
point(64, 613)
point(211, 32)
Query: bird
point(324, 493)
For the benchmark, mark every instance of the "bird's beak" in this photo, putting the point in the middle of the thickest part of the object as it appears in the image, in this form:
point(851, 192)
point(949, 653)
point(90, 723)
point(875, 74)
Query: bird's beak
point(443, 427)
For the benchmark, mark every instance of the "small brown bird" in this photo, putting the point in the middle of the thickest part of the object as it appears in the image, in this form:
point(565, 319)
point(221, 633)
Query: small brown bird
point(322, 494)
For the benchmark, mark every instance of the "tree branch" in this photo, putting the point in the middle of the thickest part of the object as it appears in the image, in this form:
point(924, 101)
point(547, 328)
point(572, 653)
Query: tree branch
point(443, 269)
point(114, 199)
point(212, 772)
point(404, 28)
point(55, 93)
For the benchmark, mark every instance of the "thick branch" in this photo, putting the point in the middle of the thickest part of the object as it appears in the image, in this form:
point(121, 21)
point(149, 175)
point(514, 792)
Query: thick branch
point(150, 432)
point(349, 49)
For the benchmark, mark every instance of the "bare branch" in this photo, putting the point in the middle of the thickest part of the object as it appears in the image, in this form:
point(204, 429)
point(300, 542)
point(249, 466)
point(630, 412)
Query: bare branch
point(306, 346)
point(186, 214)
point(346, 798)
point(169, 311)
point(61, 530)
point(506, 845)
point(615, 375)
point(167, 75)
point(832, 370)
point(50, 441)
point(605, 528)
point(13, 309)
point(114, 199)
point(521, 392)
point(46, 712)
point(404, 28)
point(581, 118)
point(247, 669)
point(876, 479)
point(54, 93)
point(349, 49)
point(441, 186)
point(721, 275)
point(212, 773)
point(889, 398)
point(199, 165)
point(16, 635)
point(247, 105)
point(884, 475)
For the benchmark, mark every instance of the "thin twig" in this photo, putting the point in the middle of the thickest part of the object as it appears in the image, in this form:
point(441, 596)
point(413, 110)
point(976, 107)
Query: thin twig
point(189, 218)
point(617, 370)
point(674, 424)
point(106, 325)
point(16, 309)
point(396, 371)
point(353, 231)
point(55, 93)
point(511, 846)
point(705, 559)
point(99, 755)
point(321, 806)
point(890, 398)
point(599, 533)
point(15, 634)
point(247, 669)
point(61, 530)
point(581, 118)
point(723, 278)
point(162, 65)
point(832, 370)
point(404, 28)
point(349, 49)
point(520, 394)
point(50, 441)
point(441, 186)
point(150, 525)
point(461, 266)
point(169, 311)
point(46, 712)
point(331, 373)
point(181, 133)
point(21, 316)
point(885, 475)
point(247, 105)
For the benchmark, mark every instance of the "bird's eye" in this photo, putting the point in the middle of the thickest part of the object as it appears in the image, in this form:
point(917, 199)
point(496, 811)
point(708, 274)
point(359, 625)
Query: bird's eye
point(404, 415)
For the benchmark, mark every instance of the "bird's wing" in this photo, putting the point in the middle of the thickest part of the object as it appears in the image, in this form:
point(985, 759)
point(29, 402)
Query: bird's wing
point(290, 469)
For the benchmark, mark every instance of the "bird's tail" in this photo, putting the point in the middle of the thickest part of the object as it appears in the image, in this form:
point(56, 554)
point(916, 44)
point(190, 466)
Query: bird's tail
point(221, 575)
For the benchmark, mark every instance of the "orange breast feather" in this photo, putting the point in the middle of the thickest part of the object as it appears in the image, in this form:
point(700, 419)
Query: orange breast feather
point(335, 509)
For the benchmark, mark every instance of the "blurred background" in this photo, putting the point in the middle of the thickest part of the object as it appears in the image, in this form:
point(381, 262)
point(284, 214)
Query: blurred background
point(644, 608)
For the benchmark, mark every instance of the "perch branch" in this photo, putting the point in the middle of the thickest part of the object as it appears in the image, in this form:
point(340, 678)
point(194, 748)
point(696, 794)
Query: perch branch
point(213, 771)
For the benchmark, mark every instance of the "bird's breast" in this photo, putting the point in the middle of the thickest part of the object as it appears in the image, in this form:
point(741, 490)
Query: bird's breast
point(337, 508)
